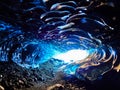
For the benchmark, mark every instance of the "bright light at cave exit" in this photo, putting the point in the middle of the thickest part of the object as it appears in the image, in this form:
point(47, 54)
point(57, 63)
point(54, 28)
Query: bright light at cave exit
point(72, 55)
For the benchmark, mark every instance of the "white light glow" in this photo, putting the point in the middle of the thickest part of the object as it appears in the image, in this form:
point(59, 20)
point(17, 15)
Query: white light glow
point(72, 55)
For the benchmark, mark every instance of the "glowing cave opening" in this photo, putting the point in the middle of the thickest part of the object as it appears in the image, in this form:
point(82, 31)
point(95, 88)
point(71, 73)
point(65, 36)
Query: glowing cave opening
point(72, 55)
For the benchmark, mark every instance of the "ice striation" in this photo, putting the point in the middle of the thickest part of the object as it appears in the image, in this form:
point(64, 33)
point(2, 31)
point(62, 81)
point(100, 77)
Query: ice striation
point(63, 31)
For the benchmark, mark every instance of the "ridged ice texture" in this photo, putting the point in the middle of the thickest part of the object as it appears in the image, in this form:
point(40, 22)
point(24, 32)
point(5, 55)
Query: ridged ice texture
point(21, 49)
point(65, 26)
point(101, 57)
point(75, 33)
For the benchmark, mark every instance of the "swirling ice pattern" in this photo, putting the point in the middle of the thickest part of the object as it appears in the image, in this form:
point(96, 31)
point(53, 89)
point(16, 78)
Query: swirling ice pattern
point(66, 27)
point(101, 57)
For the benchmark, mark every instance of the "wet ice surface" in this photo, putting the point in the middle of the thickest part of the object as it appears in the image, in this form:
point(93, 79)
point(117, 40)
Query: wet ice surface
point(43, 40)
